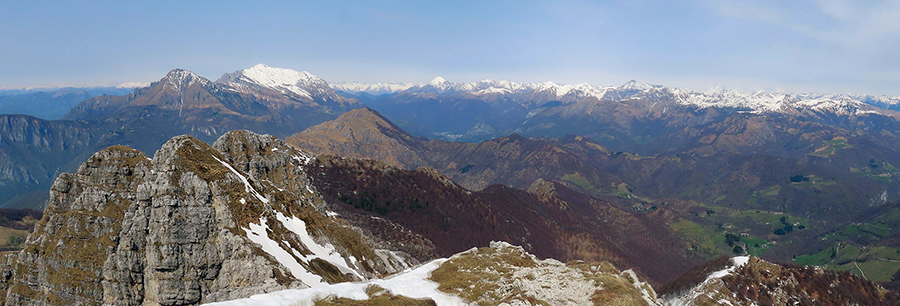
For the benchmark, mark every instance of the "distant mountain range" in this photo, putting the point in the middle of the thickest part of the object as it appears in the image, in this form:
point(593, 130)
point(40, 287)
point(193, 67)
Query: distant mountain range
point(481, 110)
point(270, 100)
point(120, 89)
point(371, 89)
point(635, 117)
point(51, 104)
point(758, 101)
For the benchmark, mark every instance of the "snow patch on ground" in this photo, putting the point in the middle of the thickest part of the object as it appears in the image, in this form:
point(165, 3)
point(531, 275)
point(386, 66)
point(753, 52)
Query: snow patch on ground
point(737, 262)
point(414, 284)
point(258, 234)
point(303, 158)
point(740, 261)
point(704, 287)
point(325, 252)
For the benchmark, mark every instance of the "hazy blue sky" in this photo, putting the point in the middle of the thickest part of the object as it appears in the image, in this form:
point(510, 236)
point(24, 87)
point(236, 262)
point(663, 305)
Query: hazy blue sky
point(831, 46)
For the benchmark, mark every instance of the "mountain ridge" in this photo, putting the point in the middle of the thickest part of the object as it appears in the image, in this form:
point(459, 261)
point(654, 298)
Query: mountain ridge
point(518, 161)
point(757, 101)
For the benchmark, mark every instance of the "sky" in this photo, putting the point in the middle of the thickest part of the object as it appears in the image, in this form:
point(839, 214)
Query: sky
point(794, 46)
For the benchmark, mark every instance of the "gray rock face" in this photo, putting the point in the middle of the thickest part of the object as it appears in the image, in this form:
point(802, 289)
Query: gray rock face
point(272, 160)
point(7, 260)
point(176, 230)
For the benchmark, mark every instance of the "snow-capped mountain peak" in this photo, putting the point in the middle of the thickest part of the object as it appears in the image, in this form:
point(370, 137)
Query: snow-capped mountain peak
point(180, 79)
point(440, 84)
point(287, 81)
point(263, 74)
point(719, 97)
point(437, 81)
point(372, 89)
point(639, 86)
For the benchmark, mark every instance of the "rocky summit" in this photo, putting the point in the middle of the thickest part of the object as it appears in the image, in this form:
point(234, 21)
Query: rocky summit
point(191, 225)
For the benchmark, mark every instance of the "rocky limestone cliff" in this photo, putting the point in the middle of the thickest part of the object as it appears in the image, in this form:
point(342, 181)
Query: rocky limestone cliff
point(188, 227)
point(7, 260)
point(271, 159)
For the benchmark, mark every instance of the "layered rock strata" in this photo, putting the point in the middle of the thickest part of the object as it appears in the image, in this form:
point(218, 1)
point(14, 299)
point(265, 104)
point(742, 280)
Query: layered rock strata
point(191, 225)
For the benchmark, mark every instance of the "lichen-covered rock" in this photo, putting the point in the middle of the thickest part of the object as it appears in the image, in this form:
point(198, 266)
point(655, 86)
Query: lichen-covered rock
point(64, 257)
point(7, 260)
point(192, 225)
point(504, 274)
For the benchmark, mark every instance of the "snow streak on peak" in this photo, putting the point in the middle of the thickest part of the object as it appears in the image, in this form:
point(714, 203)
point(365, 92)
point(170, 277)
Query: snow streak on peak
point(179, 79)
point(181, 74)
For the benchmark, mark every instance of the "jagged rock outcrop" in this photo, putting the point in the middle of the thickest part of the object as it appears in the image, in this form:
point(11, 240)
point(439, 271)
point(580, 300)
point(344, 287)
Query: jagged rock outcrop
point(7, 260)
point(748, 281)
point(271, 159)
point(189, 227)
point(504, 274)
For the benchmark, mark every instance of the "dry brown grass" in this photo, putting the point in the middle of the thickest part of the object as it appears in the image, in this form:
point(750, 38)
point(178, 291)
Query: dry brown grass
point(12, 239)
point(474, 275)
point(377, 297)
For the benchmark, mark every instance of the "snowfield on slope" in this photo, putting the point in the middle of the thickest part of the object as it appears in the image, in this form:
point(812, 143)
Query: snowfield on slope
point(703, 288)
point(412, 283)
